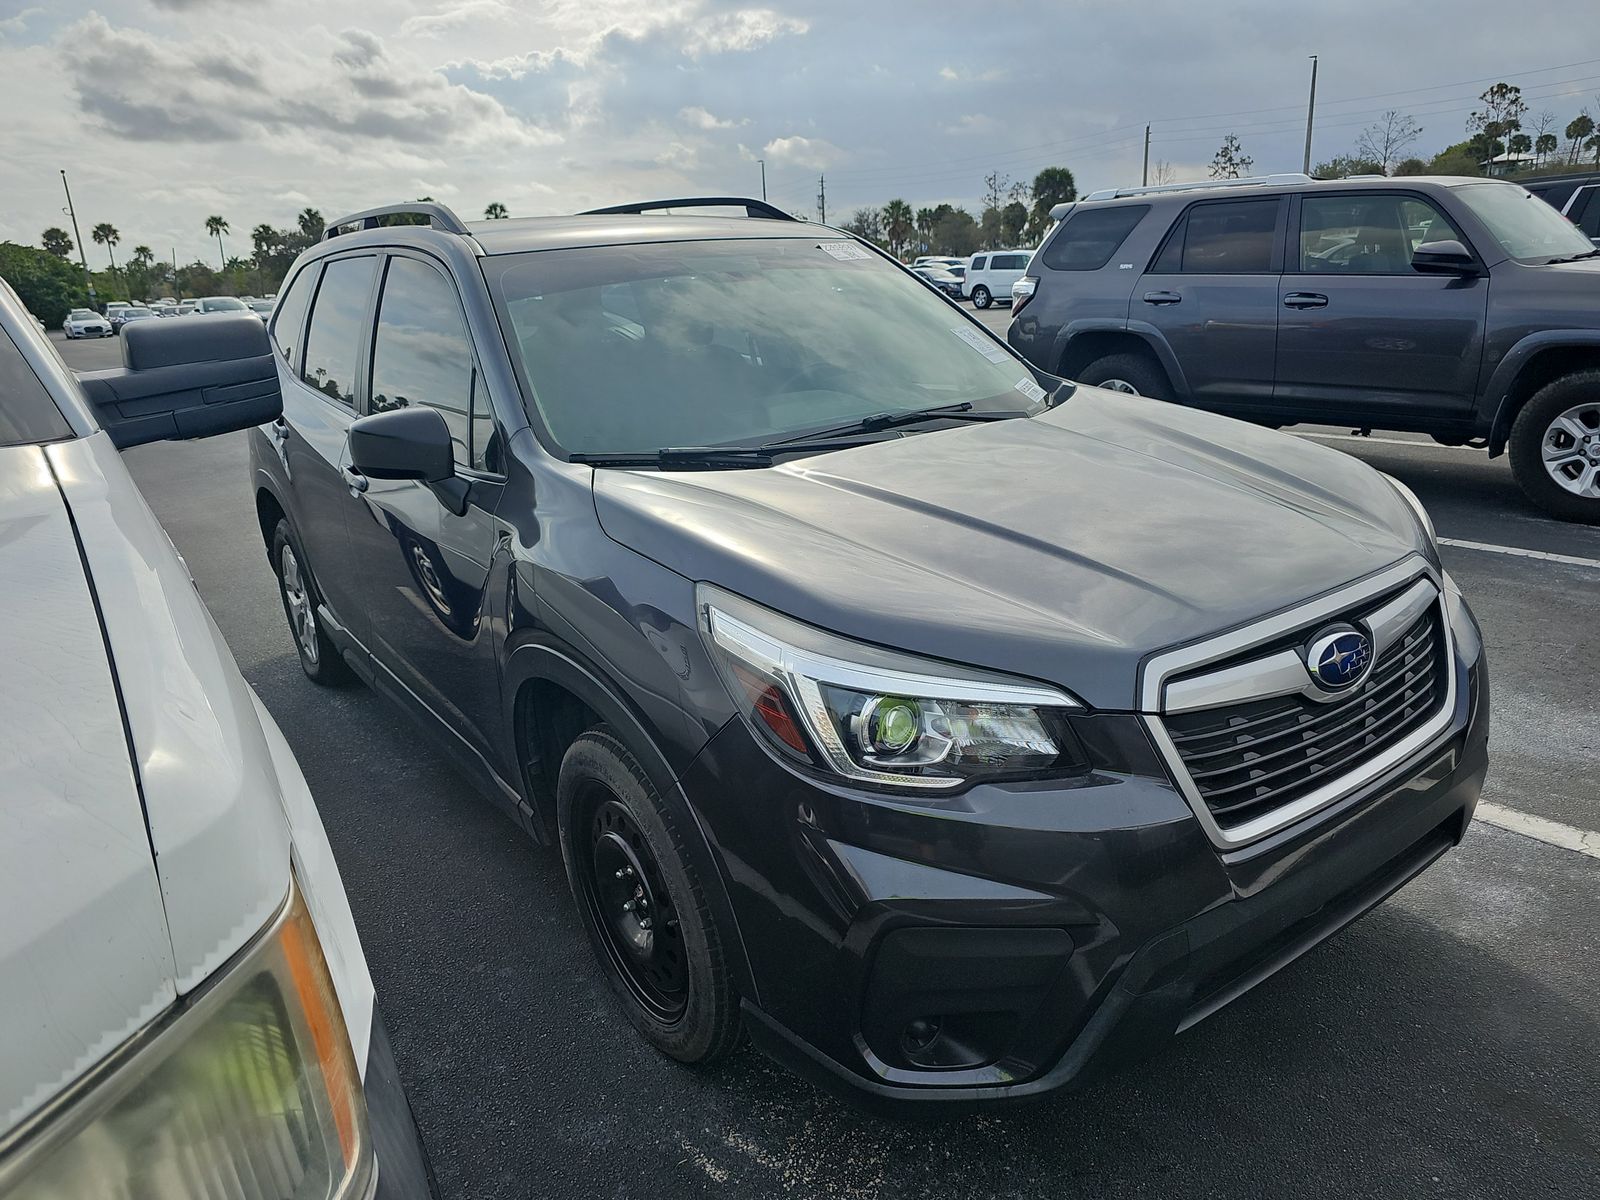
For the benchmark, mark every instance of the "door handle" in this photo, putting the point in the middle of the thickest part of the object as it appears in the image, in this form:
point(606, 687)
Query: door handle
point(1305, 300)
point(1162, 298)
point(354, 480)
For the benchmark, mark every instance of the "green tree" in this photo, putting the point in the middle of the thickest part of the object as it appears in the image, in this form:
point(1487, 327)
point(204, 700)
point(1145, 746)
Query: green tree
point(899, 222)
point(216, 227)
point(954, 232)
point(1459, 159)
point(1579, 128)
point(925, 219)
point(138, 272)
point(496, 212)
point(56, 241)
point(866, 223)
point(1051, 186)
point(1500, 117)
point(1013, 219)
point(105, 234)
point(1543, 147)
point(1230, 160)
point(1342, 166)
point(1411, 166)
point(311, 224)
point(48, 284)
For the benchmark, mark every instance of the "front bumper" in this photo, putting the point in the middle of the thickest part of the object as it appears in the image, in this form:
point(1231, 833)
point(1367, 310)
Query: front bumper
point(1019, 939)
point(404, 1172)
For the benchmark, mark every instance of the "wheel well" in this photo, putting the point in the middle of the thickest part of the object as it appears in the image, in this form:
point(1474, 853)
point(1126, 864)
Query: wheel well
point(1542, 368)
point(549, 719)
point(268, 513)
point(1086, 347)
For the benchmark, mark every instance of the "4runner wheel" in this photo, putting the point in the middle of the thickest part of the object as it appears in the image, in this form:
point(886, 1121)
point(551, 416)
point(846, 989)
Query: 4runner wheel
point(319, 658)
point(1555, 447)
point(1131, 373)
point(981, 297)
point(641, 903)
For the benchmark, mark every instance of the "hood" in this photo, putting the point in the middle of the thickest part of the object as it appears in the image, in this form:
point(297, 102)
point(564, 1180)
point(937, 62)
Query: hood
point(1064, 548)
point(142, 838)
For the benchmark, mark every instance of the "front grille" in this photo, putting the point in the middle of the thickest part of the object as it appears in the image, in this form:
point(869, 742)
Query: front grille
point(1250, 758)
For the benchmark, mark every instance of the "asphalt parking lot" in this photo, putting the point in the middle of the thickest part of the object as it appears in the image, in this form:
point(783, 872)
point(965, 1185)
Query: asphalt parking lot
point(1444, 1046)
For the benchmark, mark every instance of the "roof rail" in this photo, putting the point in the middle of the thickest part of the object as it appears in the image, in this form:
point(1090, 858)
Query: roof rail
point(1059, 211)
point(1156, 189)
point(752, 208)
point(439, 217)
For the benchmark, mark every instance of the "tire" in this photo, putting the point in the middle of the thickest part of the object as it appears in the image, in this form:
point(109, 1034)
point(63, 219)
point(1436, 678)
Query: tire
point(981, 297)
point(319, 658)
point(667, 968)
point(1132, 373)
point(1562, 421)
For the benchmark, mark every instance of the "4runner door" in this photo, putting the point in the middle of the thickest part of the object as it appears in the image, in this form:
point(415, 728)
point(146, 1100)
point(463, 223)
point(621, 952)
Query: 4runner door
point(1212, 294)
point(424, 570)
point(320, 377)
point(1361, 336)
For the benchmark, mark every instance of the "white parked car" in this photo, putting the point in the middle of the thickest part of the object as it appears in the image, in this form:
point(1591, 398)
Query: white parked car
point(186, 1009)
point(85, 322)
point(991, 274)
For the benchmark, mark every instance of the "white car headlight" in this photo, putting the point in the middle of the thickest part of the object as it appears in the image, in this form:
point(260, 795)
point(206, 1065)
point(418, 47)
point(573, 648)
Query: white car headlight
point(879, 717)
point(249, 1092)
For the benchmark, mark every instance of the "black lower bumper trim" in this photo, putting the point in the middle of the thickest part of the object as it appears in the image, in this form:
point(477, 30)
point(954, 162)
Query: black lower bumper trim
point(404, 1172)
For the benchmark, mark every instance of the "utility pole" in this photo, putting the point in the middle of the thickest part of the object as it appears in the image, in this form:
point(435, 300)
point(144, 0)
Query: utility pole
point(82, 257)
point(1145, 182)
point(822, 199)
point(177, 292)
point(763, 163)
point(1311, 111)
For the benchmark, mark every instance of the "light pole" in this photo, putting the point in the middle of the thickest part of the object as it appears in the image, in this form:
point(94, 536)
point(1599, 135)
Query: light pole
point(78, 237)
point(763, 163)
point(1311, 110)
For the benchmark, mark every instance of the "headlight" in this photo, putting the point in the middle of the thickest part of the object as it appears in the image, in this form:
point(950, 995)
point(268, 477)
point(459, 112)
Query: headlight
point(250, 1092)
point(1423, 519)
point(880, 717)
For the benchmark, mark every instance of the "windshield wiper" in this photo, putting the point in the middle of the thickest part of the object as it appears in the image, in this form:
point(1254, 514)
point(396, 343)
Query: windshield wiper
point(1574, 257)
point(715, 456)
point(962, 411)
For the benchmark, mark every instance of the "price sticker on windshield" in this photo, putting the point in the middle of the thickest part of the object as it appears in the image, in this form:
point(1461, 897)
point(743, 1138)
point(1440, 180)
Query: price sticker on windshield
point(1031, 390)
point(844, 251)
point(980, 343)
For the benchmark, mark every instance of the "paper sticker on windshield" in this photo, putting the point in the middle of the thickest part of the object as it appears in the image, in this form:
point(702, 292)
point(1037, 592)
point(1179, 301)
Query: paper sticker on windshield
point(980, 343)
point(1032, 390)
point(844, 251)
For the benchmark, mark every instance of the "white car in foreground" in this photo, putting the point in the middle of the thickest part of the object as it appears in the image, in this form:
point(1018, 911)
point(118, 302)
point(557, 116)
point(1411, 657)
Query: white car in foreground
point(84, 322)
point(186, 1009)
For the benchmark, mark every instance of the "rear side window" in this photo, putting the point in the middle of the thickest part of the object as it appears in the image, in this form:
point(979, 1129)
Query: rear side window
point(1010, 262)
point(421, 355)
point(1091, 236)
point(1231, 238)
point(977, 263)
point(333, 342)
point(288, 319)
point(27, 414)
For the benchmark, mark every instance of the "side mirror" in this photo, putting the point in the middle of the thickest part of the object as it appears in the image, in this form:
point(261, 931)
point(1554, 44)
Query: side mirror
point(409, 443)
point(186, 381)
point(1443, 258)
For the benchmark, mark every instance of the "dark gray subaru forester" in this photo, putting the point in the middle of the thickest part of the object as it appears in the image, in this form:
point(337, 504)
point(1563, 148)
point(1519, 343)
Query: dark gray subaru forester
point(950, 728)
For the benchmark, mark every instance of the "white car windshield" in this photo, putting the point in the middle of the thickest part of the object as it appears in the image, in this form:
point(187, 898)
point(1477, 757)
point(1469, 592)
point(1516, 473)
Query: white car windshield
point(1527, 228)
point(632, 349)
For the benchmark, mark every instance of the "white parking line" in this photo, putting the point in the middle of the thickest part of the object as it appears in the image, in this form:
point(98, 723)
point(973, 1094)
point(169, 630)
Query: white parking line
point(1552, 833)
point(1570, 560)
point(1355, 437)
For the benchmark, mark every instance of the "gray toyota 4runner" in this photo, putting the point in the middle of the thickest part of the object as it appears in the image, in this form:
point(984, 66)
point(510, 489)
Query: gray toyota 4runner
point(1462, 308)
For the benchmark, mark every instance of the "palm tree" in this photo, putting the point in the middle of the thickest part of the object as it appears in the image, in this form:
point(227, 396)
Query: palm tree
point(216, 227)
point(144, 258)
point(925, 222)
point(105, 234)
point(1544, 146)
point(311, 224)
point(1519, 143)
point(56, 241)
point(898, 224)
point(496, 212)
point(1580, 127)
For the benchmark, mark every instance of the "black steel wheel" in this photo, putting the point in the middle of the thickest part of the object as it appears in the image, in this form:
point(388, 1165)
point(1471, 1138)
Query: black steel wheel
point(642, 902)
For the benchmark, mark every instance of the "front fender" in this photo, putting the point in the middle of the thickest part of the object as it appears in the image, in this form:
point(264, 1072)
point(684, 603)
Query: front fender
point(1497, 396)
point(1144, 331)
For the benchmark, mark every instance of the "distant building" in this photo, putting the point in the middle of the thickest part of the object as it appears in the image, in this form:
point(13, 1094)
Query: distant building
point(1509, 164)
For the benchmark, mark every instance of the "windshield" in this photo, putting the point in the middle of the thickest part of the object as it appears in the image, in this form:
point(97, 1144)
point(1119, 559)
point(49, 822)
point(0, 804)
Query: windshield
point(1527, 228)
point(222, 304)
point(632, 349)
point(79, 314)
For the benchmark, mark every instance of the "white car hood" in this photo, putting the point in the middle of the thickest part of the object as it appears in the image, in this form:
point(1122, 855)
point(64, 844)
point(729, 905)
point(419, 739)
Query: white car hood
point(141, 844)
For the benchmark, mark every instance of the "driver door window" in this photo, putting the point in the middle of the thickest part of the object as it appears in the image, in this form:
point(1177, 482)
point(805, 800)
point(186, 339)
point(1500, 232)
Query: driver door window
point(1367, 234)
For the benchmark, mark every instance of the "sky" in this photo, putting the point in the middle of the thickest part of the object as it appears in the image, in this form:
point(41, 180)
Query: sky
point(164, 112)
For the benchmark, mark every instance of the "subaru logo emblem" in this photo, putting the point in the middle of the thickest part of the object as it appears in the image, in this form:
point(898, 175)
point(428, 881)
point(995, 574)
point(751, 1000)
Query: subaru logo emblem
point(1338, 658)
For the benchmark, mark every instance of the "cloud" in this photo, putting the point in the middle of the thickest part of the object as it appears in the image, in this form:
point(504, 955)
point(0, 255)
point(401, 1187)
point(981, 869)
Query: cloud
point(741, 30)
point(702, 119)
point(456, 17)
point(802, 152)
point(974, 123)
point(13, 25)
point(966, 75)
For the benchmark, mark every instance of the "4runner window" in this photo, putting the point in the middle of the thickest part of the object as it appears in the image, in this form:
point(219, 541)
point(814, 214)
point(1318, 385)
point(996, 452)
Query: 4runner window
point(632, 349)
point(333, 342)
point(1091, 236)
point(1527, 228)
point(421, 354)
point(1230, 238)
point(1367, 233)
point(289, 317)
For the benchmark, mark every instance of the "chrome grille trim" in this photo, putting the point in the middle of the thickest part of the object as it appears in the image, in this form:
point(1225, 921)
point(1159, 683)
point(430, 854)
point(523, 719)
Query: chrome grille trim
point(1387, 623)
